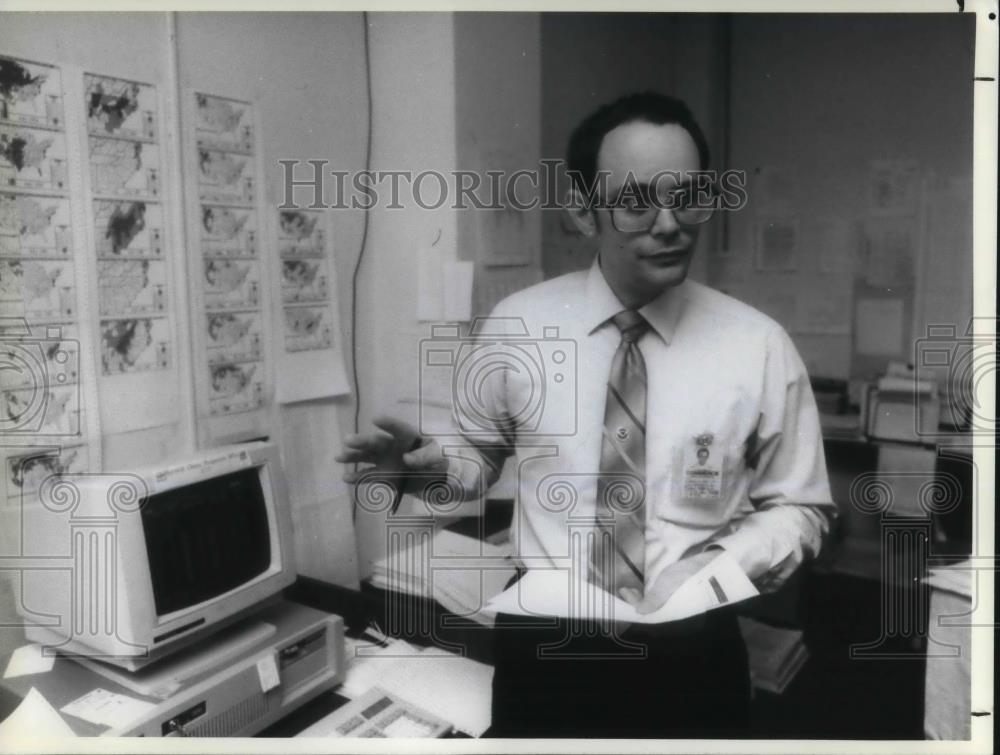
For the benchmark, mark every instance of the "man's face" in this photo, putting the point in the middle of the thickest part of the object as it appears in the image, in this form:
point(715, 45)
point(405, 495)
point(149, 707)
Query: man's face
point(639, 266)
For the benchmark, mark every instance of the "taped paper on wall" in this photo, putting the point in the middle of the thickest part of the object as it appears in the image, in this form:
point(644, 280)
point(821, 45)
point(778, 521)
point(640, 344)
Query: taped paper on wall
point(236, 387)
point(777, 245)
point(303, 280)
point(120, 108)
point(33, 159)
point(131, 287)
point(308, 328)
point(55, 410)
point(300, 234)
point(234, 337)
point(228, 232)
point(231, 284)
point(26, 472)
point(35, 226)
point(52, 349)
point(123, 168)
point(130, 229)
point(134, 345)
point(226, 177)
point(37, 289)
point(223, 124)
point(31, 94)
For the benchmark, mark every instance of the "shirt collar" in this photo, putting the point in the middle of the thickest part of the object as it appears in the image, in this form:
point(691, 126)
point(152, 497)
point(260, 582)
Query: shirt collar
point(663, 313)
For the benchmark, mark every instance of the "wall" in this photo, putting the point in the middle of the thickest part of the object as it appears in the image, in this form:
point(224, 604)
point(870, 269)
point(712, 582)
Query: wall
point(306, 73)
point(819, 116)
point(414, 129)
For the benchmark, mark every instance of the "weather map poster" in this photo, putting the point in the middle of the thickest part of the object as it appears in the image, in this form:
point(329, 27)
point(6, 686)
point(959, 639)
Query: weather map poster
point(225, 177)
point(30, 94)
point(223, 124)
point(50, 349)
point(32, 159)
point(235, 387)
point(37, 289)
point(26, 473)
point(131, 287)
point(55, 410)
point(128, 229)
point(32, 225)
point(300, 234)
point(303, 281)
point(228, 231)
point(308, 328)
point(123, 168)
point(233, 337)
point(134, 344)
point(120, 108)
point(231, 284)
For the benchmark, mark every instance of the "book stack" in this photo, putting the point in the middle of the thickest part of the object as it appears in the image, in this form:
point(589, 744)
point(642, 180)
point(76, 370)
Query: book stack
point(776, 655)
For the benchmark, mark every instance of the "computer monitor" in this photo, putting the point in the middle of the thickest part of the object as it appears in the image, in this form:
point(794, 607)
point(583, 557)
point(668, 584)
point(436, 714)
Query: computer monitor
point(143, 563)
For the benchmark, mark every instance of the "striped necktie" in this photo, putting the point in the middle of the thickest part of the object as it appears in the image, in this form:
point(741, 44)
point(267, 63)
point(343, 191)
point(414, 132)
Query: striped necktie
point(618, 558)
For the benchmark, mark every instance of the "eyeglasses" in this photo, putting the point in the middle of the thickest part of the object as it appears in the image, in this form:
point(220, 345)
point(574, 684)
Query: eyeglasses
point(637, 207)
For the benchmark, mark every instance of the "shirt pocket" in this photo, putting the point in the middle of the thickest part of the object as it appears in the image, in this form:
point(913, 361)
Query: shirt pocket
point(707, 465)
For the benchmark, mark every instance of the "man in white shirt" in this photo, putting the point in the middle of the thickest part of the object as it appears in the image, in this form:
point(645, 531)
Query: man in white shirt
point(724, 452)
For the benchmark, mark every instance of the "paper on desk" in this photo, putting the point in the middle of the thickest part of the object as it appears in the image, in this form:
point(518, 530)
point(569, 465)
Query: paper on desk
point(28, 659)
point(552, 592)
point(33, 718)
point(453, 688)
point(99, 706)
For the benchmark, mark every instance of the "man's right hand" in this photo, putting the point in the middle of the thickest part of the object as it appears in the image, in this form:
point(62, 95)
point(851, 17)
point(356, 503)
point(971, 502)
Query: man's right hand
point(395, 453)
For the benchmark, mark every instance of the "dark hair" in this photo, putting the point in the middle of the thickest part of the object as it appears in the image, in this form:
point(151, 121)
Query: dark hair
point(650, 107)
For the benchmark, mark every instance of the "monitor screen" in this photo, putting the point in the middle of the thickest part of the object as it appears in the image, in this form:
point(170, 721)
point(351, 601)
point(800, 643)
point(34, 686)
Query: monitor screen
point(206, 539)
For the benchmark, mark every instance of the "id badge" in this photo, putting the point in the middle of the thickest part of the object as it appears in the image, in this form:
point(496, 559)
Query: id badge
point(703, 468)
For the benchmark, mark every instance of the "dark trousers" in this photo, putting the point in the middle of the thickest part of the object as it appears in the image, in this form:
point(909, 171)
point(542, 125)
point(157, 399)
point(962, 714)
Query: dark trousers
point(683, 679)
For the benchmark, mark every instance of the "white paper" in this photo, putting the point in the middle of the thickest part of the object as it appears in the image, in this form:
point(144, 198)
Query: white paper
point(29, 659)
point(553, 592)
point(430, 286)
point(457, 282)
point(878, 327)
point(267, 672)
point(105, 708)
point(777, 245)
point(448, 686)
point(32, 719)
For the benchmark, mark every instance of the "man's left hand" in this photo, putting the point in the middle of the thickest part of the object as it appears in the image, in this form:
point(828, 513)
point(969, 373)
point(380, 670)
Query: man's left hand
point(667, 583)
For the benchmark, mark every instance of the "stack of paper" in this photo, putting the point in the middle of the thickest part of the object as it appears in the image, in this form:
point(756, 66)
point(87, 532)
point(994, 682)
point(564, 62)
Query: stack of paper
point(455, 689)
point(776, 655)
point(459, 572)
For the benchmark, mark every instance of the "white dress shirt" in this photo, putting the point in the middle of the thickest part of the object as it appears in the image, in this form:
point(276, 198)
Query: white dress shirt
point(719, 373)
